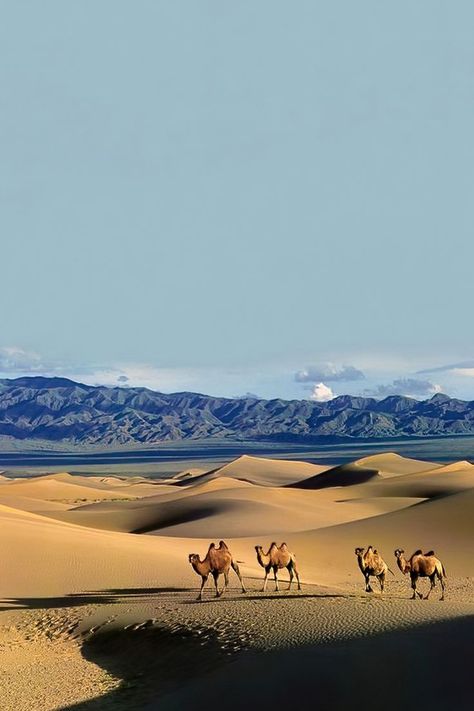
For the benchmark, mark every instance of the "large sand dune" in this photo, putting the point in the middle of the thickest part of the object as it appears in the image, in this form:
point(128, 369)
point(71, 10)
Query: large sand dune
point(76, 556)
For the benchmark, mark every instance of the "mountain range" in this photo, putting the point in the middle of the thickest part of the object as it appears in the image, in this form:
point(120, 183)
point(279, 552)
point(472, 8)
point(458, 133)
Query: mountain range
point(60, 410)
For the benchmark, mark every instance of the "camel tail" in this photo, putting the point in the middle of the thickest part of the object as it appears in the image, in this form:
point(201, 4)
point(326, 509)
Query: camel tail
point(444, 571)
point(390, 571)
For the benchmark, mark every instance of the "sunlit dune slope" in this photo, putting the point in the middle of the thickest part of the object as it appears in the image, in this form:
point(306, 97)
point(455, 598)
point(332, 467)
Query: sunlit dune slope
point(261, 471)
point(228, 508)
point(445, 525)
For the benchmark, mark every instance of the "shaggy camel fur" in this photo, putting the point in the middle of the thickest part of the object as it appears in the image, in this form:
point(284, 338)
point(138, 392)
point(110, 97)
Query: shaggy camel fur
point(422, 565)
point(275, 559)
point(217, 561)
point(372, 564)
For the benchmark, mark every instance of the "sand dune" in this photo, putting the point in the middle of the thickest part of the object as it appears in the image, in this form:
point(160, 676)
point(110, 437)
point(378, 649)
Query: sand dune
point(81, 568)
point(392, 464)
point(225, 507)
point(373, 468)
point(264, 472)
point(25, 503)
point(65, 487)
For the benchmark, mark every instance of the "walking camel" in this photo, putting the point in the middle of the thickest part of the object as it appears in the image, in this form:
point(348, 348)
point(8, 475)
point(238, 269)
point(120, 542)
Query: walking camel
point(422, 565)
point(218, 561)
point(371, 563)
point(275, 559)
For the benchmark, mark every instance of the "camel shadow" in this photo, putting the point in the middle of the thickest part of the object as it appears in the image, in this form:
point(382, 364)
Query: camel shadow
point(110, 596)
point(282, 595)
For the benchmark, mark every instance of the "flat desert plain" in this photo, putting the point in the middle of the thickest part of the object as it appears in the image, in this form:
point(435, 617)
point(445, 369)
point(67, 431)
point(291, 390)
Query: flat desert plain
point(98, 599)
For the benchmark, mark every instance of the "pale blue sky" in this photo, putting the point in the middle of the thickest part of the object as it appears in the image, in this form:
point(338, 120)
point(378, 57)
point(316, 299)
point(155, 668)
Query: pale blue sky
point(249, 187)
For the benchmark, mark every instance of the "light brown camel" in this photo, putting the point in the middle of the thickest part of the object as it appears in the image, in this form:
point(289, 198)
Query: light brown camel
point(217, 561)
point(275, 559)
point(371, 563)
point(422, 565)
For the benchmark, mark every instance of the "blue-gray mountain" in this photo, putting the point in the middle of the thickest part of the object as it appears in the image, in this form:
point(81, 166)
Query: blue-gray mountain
point(60, 410)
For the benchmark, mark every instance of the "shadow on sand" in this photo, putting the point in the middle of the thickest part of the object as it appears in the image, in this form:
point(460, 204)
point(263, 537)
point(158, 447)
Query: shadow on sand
point(427, 666)
point(103, 597)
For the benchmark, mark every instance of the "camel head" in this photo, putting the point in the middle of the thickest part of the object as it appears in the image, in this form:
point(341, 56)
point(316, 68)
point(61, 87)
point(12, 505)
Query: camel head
point(259, 549)
point(194, 558)
point(359, 551)
point(398, 552)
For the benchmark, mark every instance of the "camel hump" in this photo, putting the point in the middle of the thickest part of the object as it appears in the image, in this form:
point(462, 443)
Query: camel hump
point(430, 553)
point(283, 547)
point(273, 545)
point(211, 546)
point(418, 552)
point(222, 544)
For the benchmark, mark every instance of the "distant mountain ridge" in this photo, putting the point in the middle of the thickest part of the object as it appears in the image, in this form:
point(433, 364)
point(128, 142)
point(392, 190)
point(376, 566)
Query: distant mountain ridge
point(61, 410)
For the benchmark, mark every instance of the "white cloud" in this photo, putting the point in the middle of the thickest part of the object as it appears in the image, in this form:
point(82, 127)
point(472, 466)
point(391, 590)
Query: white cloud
point(464, 372)
point(321, 393)
point(138, 375)
point(14, 360)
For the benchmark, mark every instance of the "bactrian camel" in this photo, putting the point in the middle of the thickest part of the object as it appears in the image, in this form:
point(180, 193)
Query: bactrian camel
point(218, 561)
point(371, 563)
point(422, 565)
point(275, 559)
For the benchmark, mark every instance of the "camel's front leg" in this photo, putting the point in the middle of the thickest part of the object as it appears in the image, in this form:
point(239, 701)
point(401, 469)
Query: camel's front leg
point(236, 569)
point(290, 570)
point(267, 570)
point(275, 573)
point(215, 575)
point(204, 581)
point(368, 587)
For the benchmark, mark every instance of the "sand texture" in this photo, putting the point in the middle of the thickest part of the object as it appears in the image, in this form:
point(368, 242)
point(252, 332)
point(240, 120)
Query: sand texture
point(98, 602)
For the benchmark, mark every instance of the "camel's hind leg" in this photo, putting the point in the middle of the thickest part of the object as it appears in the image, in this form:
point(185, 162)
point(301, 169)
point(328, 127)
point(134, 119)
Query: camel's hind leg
point(295, 570)
point(236, 570)
point(441, 580)
point(415, 591)
point(275, 573)
point(432, 585)
point(382, 582)
point(290, 570)
point(226, 583)
point(204, 581)
point(215, 575)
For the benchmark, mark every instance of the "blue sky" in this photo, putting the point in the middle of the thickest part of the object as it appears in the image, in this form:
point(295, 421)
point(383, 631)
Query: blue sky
point(218, 196)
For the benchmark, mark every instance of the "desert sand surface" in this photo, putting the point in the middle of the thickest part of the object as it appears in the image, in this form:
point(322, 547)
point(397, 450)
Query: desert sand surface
point(98, 602)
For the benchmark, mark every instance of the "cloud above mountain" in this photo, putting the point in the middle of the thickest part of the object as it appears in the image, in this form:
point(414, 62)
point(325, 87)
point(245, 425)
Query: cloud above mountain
point(321, 393)
point(14, 359)
point(410, 387)
point(329, 372)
